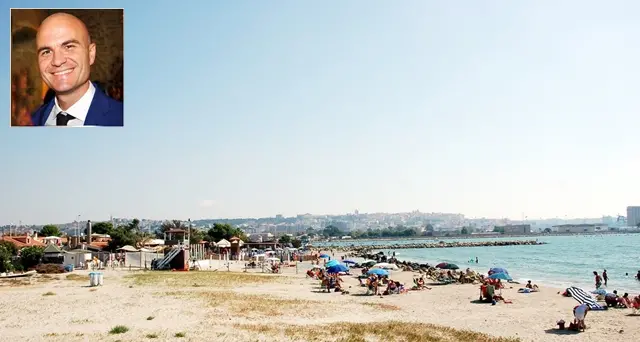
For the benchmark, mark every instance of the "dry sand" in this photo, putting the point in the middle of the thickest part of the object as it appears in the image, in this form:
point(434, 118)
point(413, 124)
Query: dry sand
point(234, 306)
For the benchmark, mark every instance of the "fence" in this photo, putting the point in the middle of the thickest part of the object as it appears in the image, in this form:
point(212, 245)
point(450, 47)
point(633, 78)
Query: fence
point(141, 259)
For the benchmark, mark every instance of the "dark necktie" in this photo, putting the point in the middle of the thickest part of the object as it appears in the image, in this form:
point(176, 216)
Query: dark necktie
point(63, 118)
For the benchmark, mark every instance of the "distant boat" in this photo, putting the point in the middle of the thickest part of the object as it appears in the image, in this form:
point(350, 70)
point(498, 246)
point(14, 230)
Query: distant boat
point(17, 275)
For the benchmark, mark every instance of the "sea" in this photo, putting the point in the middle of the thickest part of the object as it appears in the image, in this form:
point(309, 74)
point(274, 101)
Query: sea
point(564, 261)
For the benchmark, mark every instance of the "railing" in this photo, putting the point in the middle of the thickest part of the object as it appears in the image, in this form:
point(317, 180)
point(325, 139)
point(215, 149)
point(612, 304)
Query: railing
point(167, 259)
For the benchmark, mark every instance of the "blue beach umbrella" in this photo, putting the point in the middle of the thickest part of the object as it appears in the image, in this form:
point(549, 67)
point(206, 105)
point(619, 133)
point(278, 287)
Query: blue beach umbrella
point(502, 276)
point(331, 263)
point(378, 271)
point(498, 270)
point(324, 256)
point(350, 262)
point(337, 268)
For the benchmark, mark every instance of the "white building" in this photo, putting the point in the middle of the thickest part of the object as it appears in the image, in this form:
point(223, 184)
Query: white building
point(633, 216)
point(579, 228)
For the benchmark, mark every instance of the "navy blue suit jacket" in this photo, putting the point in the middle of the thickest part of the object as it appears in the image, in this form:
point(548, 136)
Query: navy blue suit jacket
point(104, 111)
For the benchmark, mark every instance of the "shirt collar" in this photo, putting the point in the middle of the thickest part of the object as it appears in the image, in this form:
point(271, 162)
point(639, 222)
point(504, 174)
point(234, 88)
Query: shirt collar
point(79, 109)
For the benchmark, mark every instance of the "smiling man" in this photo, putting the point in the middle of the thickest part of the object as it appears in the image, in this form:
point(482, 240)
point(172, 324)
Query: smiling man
point(65, 55)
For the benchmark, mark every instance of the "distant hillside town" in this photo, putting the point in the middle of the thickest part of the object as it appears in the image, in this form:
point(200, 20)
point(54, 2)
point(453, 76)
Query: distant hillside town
point(371, 225)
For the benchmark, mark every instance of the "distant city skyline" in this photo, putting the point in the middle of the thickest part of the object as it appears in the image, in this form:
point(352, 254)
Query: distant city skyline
point(193, 219)
point(248, 109)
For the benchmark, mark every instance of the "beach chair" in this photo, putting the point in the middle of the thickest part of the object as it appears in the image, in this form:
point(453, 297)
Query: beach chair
point(487, 292)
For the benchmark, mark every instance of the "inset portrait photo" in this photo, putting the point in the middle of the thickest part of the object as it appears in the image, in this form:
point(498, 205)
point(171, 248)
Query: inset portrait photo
point(67, 67)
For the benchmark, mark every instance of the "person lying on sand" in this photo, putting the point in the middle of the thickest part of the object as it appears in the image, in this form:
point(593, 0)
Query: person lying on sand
point(611, 299)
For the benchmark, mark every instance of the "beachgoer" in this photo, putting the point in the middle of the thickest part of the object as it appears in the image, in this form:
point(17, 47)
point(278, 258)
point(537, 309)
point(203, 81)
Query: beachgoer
point(529, 286)
point(625, 301)
point(476, 260)
point(598, 279)
point(580, 313)
point(638, 275)
point(611, 298)
point(605, 277)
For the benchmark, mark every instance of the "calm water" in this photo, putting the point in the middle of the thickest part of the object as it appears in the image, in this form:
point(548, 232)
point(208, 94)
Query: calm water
point(564, 261)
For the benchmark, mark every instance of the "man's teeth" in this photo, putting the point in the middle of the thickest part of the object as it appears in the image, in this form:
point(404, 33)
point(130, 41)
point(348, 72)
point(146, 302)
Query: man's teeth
point(62, 72)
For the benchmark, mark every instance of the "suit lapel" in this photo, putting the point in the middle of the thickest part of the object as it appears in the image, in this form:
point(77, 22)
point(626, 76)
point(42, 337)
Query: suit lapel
point(97, 109)
point(44, 113)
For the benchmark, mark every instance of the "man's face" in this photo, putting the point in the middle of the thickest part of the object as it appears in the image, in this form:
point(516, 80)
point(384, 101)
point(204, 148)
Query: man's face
point(65, 54)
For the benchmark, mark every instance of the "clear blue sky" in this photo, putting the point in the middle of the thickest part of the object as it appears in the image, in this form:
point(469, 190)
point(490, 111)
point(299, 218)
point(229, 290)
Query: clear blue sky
point(254, 108)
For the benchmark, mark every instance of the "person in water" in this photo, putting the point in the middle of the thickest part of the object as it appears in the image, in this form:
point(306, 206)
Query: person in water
point(605, 277)
point(598, 279)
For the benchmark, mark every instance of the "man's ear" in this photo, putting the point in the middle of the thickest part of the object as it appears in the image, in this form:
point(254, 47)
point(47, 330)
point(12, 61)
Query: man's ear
point(92, 53)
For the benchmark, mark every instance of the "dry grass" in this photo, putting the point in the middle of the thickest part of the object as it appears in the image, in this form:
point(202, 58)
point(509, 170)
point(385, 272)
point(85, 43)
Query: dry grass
point(392, 331)
point(77, 277)
point(202, 279)
point(382, 306)
point(248, 305)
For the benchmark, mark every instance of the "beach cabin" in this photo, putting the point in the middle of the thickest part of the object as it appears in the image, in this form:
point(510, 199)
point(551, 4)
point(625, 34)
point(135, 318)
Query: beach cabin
point(77, 257)
point(236, 245)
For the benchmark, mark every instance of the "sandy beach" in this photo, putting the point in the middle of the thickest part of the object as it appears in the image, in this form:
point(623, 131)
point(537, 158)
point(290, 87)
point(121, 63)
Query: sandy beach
point(251, 306)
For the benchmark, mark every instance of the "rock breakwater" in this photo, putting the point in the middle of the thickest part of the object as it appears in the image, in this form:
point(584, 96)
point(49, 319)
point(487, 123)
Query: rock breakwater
point(441, 244)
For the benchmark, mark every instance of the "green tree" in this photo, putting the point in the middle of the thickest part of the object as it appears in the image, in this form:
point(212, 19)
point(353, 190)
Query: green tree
point(224, 231)
point(11, 248)
point(50, 230)
point(100, 228)
point(196, 236)
point(498, 230)
point(464, 231)
point(285, 239)
point(332, 231)
point(429, 227)
point(5, 258)
point(547, 230)
point(296, 243)
point(31, 256)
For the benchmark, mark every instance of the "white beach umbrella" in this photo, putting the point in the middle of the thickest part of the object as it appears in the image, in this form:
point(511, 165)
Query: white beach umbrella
point(386, 266)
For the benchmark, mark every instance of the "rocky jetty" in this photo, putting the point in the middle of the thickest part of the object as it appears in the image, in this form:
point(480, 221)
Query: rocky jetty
point(358, 249)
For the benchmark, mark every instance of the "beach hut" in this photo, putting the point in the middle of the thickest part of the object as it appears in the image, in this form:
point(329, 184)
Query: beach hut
point(77, 257)
point(236, 244)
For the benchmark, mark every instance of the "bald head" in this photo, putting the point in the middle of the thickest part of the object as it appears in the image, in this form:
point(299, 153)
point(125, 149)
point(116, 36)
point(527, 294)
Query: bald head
point(61, 21)
point(65, 55)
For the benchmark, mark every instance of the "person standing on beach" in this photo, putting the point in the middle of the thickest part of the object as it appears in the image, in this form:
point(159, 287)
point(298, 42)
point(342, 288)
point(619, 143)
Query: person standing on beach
point(476, 260)
point(598, 280)
point(605, 277)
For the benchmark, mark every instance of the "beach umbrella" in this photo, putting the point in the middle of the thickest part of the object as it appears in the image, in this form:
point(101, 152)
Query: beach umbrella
point(348, 261)
point(386, 266)
point(378, 271)
point(324, 256)
point(502, 276)
point(337, 268)
point(331, 263)
point(498, 270)
point(447, 266)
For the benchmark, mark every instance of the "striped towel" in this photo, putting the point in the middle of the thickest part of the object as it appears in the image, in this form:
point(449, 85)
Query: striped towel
point(584, 298)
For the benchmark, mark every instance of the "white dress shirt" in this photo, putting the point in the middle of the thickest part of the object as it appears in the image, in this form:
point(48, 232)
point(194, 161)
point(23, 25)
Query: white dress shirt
point(78, 110)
